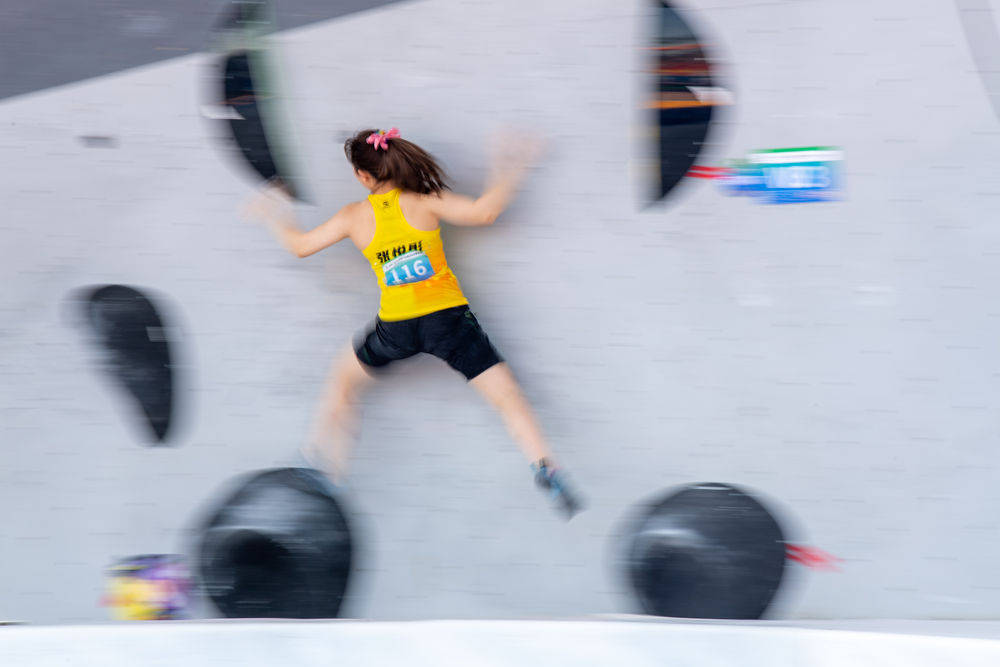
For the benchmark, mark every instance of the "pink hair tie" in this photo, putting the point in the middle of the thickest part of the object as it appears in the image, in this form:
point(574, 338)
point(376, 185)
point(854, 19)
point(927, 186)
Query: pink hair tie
point(381, 139)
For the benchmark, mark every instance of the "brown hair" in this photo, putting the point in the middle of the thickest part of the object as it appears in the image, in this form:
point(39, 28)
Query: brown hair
point(404, 163)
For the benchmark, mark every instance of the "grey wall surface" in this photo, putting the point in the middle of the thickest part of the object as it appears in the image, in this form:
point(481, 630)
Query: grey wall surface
point(46, 43)
point(839, 358)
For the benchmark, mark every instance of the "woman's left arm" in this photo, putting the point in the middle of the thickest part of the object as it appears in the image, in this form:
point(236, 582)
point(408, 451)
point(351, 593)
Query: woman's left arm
point(277, 213)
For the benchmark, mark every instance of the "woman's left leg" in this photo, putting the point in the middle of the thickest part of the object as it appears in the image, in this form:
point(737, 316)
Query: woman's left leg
point(335, 425)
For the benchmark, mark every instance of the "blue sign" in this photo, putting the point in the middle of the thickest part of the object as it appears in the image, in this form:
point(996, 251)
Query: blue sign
point(787, 175)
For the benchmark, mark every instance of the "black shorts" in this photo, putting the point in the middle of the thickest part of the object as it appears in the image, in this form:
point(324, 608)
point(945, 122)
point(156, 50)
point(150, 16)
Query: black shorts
point(452, 334)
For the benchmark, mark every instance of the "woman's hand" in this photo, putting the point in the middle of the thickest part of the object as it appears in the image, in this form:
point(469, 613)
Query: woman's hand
point(270, 205)
point(514, 151)
point(273, 207)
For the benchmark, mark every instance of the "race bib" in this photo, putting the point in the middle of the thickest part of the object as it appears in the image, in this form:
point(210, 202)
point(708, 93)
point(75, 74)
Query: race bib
point(410, 267)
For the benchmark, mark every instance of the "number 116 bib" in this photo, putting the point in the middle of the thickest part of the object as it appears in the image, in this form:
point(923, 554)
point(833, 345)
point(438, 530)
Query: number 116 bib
point(410, 267)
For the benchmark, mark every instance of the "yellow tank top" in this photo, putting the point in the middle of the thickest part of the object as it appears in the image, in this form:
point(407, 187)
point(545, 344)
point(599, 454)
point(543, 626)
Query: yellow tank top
point(409, 264)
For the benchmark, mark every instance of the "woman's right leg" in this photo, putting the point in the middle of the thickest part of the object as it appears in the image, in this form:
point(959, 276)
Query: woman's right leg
point(455, 336)
point(499, 387)
point(335, 424)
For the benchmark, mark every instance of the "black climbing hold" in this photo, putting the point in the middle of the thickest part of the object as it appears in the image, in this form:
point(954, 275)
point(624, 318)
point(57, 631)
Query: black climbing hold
point(279, 546)
point(705, 551)
point(136, 346)
point(684, 98)
point(247, 90)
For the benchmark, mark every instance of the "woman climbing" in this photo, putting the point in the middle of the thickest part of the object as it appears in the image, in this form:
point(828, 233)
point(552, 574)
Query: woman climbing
point(422, 309)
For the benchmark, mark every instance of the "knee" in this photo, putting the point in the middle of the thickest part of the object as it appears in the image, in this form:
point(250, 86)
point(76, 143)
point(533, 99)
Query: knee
point(508, 400)
point(342, 397)
point(345, 397)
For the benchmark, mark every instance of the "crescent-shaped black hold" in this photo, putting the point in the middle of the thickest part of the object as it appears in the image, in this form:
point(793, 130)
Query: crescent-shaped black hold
point(246, 125)
point(681, 120)
point(242, 88)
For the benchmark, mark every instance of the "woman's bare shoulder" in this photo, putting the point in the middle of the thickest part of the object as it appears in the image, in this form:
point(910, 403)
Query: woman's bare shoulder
point(357, 211)
point(436, 203)
point(419, 210)
point(418, 199)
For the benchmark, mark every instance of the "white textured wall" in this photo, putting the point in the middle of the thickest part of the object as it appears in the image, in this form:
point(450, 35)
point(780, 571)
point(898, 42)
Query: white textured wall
point(837, 357)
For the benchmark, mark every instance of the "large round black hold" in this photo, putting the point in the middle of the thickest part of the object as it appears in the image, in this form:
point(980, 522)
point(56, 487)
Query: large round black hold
point(706, 551)
point(279, 546)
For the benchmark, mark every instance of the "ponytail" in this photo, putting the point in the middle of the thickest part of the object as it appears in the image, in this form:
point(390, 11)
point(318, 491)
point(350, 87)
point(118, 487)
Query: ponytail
point(401, 161)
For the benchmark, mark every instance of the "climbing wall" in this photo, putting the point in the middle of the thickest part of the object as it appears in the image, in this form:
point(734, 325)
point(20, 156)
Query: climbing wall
point(835, 356)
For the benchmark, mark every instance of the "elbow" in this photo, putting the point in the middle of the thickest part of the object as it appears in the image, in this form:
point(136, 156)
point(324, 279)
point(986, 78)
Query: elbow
point(299, 250)
point(484, 212)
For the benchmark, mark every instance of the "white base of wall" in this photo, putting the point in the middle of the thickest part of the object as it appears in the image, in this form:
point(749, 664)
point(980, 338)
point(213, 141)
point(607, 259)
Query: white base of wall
point(633, 641)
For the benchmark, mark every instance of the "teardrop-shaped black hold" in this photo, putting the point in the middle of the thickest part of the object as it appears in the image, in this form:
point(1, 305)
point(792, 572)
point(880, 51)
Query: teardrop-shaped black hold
point(279, 546)
point(131, 333)
point(706, 551)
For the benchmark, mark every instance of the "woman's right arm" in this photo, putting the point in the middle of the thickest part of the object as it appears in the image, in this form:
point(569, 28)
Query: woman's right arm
point(507, 173)
point(466, 211)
